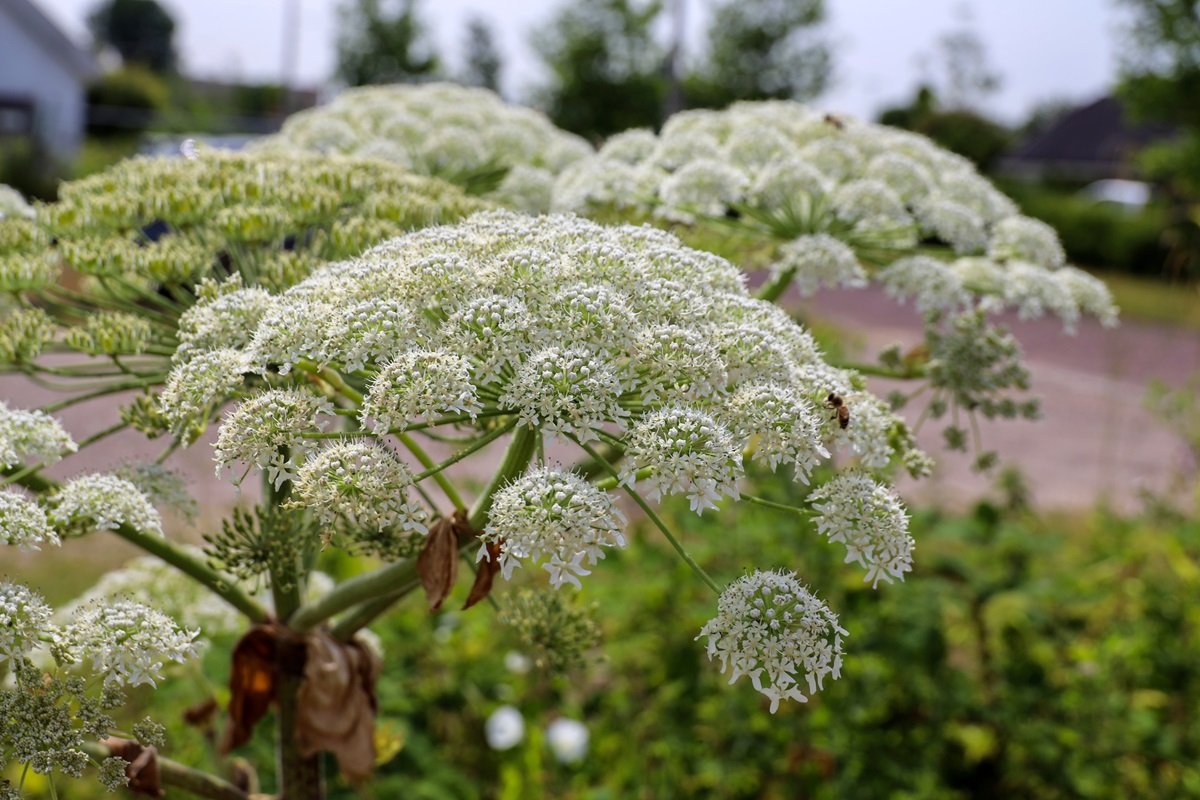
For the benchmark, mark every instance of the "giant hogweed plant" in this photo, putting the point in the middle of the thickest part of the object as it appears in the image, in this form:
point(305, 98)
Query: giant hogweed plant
point(601, 363)
point(829, 201)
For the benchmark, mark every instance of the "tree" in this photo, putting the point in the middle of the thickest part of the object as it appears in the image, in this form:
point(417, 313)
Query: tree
point(1160, 80)
point(140, 30)
point(762, 49)
point(606, 66)
point(956, 128)
point(383, 42)
point(483, 59)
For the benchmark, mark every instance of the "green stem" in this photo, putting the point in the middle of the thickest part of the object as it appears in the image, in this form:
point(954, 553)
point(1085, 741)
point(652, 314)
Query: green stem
point(177, 776)
point(516, 459)
point(370, 586)
point(653, 517)
point(773, 289)
point(880, 371)
point(432, 470)
point(762, 501)
point(112, 388)
point(474, 447)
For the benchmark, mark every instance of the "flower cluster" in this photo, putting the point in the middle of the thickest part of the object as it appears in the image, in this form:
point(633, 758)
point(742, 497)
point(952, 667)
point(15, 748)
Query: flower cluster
point(12, 204)
point(617, 340)
point(829, 188)
point(466, 135)
point(773, 629)
point(25, 434)
point(556, 516)
point(629, 294)
point(151, 582)
point(102, 502)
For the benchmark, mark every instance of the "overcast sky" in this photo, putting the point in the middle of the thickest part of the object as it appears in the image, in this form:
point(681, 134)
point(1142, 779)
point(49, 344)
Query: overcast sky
point(1042, 49)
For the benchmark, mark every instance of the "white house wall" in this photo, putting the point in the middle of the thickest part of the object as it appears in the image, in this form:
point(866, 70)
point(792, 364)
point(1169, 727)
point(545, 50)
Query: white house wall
point(27, 70)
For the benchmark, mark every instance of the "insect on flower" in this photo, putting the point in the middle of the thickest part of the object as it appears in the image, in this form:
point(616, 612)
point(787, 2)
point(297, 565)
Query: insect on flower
point(840, 408)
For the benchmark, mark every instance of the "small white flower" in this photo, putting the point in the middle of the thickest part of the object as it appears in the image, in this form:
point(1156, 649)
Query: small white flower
point(869, 519)
point(420, 385)
point(31, 433)
point(195, 386)
point(24, 620)
point(127, 642)
point(267, 430)
point(568, 740)
point(504, 729)
point(687, 452)
point(1026, 239)
point(23, 523)
point(362, 482)
point(565, 391)
point(819, 260)
point(781, 427)
point(102, 502)
point(771, 628)
point(553, 516)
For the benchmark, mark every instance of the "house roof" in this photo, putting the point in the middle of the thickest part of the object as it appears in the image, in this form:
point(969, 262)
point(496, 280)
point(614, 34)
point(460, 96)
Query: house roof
point(1097, 138)
point(50, 37)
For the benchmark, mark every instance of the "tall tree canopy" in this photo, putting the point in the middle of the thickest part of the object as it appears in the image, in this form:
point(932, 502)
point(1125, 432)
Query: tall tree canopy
point(380, 41)
point(762, 49)
point(140, 30)
point(606, 66)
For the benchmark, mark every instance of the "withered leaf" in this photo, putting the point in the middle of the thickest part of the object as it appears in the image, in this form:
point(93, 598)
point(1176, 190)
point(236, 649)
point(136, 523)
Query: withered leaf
point(252, 683)
point(484, 575)
point(336, 704)
point(142, 768)
point(438, 563)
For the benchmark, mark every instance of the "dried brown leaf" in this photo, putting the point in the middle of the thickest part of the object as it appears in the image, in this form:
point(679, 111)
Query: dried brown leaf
point(438, 563)
point(485, 574)
point(252, 682)
point(336, 704)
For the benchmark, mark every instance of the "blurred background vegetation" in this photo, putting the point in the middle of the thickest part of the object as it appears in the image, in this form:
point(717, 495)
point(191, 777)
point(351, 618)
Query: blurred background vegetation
point(1028, 655)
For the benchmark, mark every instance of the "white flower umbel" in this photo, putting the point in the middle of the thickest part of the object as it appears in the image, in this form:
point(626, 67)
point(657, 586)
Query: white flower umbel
point(25, 434)
point(420, 385)
point(686, 452)
point(869, 519)
point(267, 431)
point(460, 133)
point(194, 386)
point(126, 642)
point(362, 482)
point(932, 284)
point(12, 204)
point(566, 392)
point(24, 621)
point(552, 516)
point(778, 426)
point(771, 628)
point(1026, 239)
point(817, 261)
point(102, 502)
point(23, 523)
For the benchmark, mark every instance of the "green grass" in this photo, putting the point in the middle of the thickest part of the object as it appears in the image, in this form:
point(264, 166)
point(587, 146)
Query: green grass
point(1150, 300)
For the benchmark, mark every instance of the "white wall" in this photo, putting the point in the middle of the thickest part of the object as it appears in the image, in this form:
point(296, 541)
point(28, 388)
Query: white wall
point(27, 69)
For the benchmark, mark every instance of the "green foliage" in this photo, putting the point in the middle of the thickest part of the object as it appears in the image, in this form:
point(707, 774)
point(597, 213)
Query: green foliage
point(1025, 657)
point(605, 65)
point(961, 130)
point(760, 50)
point(125, 101)
point(383, 42)
point(1102, 235)
point(140, 30)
